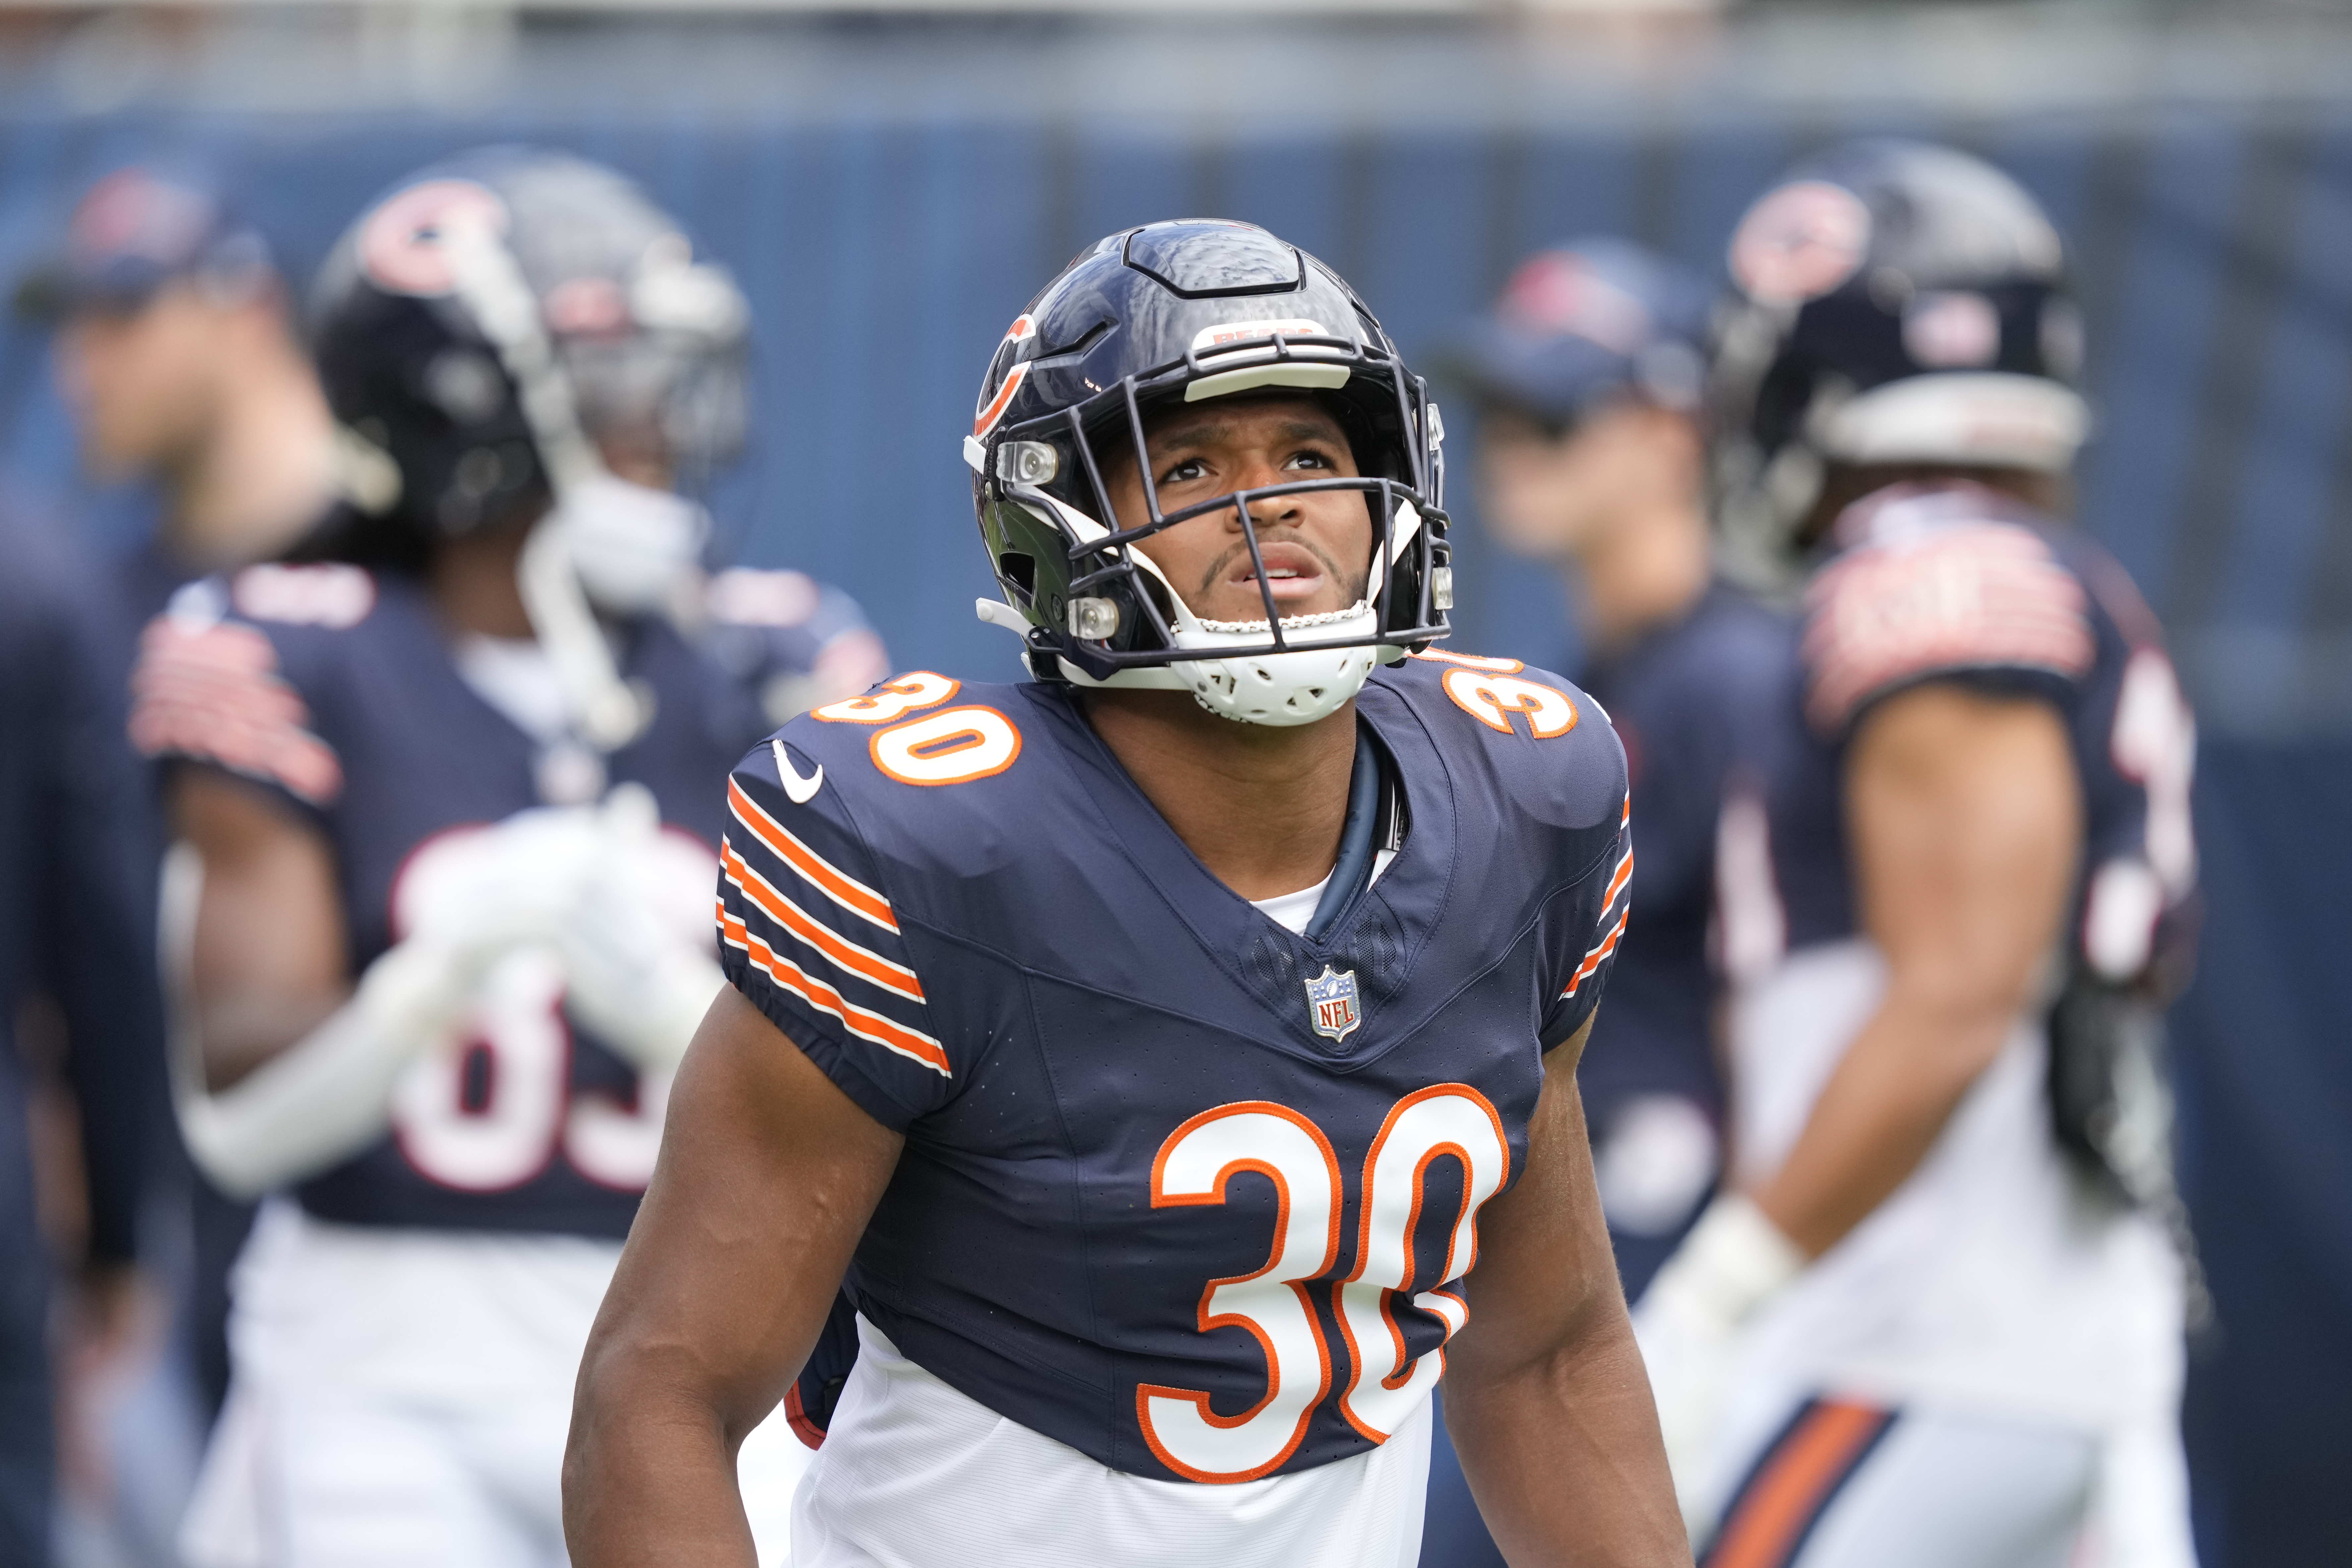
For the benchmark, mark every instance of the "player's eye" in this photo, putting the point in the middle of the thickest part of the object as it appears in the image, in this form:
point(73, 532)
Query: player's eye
point(1309, 458)
point(1189, 470)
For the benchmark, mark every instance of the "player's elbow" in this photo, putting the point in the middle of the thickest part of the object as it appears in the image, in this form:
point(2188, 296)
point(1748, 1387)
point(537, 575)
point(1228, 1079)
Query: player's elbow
point(1958, 1009)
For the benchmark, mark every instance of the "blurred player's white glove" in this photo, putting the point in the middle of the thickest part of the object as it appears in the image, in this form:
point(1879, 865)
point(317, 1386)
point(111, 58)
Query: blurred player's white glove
point(465, 901)
point(328, 1095)
point(516, 881)
point(1733, 1259)
point(636, 943)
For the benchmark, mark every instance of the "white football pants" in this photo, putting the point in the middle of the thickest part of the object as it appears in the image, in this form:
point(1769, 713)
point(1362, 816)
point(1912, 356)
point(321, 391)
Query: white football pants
point(400, 1399)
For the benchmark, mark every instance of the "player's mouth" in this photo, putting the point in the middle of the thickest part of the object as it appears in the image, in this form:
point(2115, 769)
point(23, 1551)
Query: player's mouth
point(1292, 573)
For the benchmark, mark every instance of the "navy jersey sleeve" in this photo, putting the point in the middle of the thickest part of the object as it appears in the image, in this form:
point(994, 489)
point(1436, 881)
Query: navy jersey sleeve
point(1982, 603)
point(1582, 928)
point(802, 642)
point(216, 684)
point(808, 934)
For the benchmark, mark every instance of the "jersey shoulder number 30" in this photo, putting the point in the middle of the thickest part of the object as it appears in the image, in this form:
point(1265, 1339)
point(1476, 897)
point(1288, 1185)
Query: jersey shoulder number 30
point(1492, 689)
point(943, 746)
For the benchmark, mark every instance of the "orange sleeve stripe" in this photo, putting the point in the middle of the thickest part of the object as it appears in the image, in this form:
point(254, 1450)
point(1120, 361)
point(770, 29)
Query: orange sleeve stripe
point(842, 888)
point(912, 1043)
point(843, 954)
point(1617, 880)
point(1777, 1509)
point(1592, 960)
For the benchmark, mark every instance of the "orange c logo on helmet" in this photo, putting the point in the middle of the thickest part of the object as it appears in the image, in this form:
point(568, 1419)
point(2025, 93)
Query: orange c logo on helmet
point(991, 409)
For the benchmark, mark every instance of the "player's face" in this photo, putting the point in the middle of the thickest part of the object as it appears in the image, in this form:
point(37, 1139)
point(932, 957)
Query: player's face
point(1316, 547)
point(141, 382)
point(1553, 495)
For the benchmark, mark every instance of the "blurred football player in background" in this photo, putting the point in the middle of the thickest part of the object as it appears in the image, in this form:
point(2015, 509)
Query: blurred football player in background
point(447, 791)
point(1939, 1321)
point(177, 353)
point(177, 356)
point(80, 1025)
point(1591, 457)
point(1112, 1028)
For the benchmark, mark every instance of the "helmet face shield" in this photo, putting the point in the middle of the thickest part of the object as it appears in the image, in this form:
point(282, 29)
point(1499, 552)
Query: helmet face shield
point(1100, 610)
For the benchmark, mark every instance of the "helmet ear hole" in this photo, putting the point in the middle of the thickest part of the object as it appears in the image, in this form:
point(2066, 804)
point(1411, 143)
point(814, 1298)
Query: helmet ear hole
point(1017, 570)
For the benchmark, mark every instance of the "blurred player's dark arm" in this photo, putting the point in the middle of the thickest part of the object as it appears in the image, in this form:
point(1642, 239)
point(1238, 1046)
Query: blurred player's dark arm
point(1545, 1396)
point(95, 859)
point(267, 962)
point(767, 1177)
point(1966, 818)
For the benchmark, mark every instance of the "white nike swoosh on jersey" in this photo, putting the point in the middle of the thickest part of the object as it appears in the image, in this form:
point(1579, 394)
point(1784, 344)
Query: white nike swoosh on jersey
point(799, 790)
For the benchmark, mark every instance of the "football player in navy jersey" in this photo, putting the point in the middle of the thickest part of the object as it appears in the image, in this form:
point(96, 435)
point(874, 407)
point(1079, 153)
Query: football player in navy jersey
point(446, 788)
point(1151, 1049)
point(1588, 375)
point(1938, 1319)
point(1590, 456)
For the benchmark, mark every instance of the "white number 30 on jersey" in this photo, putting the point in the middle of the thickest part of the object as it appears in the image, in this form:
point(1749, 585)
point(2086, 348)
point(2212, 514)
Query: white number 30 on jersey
point(1384, 1385)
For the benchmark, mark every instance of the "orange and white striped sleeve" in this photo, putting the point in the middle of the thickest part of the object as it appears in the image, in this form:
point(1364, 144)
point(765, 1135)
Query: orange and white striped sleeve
point(808, 934)
point(1586, 928)
point(212, 689)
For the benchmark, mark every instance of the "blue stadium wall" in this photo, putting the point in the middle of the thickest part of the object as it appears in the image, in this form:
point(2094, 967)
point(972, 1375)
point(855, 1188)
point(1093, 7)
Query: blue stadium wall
point(884, 253)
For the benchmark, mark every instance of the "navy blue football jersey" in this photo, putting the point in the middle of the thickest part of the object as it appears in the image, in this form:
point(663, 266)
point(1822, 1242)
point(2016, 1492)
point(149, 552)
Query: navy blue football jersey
point(336, 691)
point(1957, 583)
point(1687, 699)
point(1180, 1189)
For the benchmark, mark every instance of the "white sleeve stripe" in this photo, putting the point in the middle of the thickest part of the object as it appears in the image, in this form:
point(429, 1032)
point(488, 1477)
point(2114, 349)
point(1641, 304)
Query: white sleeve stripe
point(838, 950)
point(810, 867)
point(887, 1032)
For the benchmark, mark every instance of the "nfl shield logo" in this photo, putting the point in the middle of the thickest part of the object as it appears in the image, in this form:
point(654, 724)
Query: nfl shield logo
point(1331, 999)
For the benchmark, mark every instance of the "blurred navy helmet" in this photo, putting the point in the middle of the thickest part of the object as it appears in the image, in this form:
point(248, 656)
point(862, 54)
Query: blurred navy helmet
point(140, 228)
point(1586, 323)
point(484, 322)
point(1895, 303)
point(1175, 313)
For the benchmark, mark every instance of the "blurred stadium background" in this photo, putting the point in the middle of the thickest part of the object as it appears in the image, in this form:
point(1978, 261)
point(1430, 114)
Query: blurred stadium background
point(890, 180)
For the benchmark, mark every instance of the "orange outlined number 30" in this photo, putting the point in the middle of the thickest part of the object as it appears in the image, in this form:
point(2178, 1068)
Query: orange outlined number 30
point(1384, 1386)
point(1492, 698)
point(954, 745)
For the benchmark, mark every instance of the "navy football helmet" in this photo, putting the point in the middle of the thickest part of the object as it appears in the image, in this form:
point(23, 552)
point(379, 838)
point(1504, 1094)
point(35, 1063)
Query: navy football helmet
point(491, 315)
point(1895, 303)
point(1182, 311)
point(484, 332)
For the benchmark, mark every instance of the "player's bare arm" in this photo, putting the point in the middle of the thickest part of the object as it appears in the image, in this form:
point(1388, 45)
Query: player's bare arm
point(765, 1183)
point(1965, 816)
point(267, 963)
point(1545, 1396)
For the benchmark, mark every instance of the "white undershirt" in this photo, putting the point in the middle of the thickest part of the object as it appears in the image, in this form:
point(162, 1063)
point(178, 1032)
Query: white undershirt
point(1291, 912)
point(515, 676)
